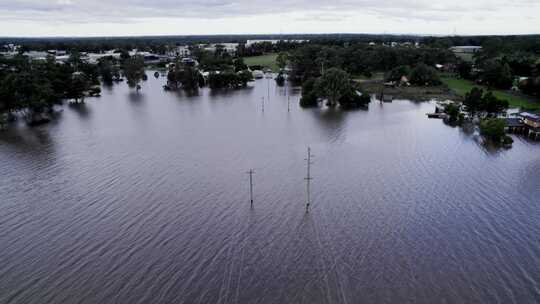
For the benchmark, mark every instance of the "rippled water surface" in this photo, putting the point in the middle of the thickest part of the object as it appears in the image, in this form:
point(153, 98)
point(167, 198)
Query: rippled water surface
point(145, 199)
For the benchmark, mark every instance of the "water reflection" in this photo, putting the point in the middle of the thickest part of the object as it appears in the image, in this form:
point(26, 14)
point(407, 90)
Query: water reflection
point(136, 97)
point(81, 109)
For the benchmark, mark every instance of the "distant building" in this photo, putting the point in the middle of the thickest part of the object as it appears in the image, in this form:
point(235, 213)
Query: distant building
point(273, 41)
point(184, 51)
point(35, 55)
point(190, 61)
point(230, 48)
point(466, 49)
point(94, 57)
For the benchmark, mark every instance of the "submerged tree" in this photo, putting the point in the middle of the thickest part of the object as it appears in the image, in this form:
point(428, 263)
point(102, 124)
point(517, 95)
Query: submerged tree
point(473, 101)
point(309, 94)
point(493, 105)
point(280, 79)
point(282, 60)
point(333, 85)
point(78, 86)
point(134, 71)
point(493, 129)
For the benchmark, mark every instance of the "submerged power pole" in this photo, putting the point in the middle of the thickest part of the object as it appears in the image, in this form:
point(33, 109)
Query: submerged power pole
point(250, 172)
point(263, 104)
point(288, 103)
point(308, 179)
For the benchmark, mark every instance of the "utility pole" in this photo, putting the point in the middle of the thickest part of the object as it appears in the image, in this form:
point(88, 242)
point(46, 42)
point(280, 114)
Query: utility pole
point(288, 103)
point(250, 172)
point(308, 179)
point(262, 104)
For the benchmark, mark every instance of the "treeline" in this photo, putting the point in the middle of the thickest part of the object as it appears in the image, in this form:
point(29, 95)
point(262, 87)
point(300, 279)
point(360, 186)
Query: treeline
point(34, 87)
point(311, 60)
point(142, 42)
point(503, 44)
point(501, 66)
point(527, 43)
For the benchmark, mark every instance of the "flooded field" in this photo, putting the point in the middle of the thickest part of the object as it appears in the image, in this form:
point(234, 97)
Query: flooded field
point(144, 198)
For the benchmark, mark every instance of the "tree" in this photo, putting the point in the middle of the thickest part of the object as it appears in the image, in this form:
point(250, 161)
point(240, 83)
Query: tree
point(493, 105)
point(282, 60)
point(424, 75)
point(107, 70)
point(229, 80)
point(473, 101)
point(396, 73)
point(134, 71)
point(497, 74)
point(493, 129)
point(354, 98)
point(190, 79)
point(531, 86)
point(78, 86)
point(244, 77)
point(280, 80)
point(453, 112)
point(333, 85)
point(239, 65)
point(29, 92)
point(464, 69)
point(309, 94)
point(75, 59)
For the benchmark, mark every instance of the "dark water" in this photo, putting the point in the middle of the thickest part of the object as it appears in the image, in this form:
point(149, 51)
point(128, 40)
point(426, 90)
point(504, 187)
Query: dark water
point(144, 199)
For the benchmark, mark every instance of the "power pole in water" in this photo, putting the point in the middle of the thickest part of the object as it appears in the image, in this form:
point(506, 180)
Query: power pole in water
point(250, 172)
point(308, 179)
point(263, 104)
point(289, 104)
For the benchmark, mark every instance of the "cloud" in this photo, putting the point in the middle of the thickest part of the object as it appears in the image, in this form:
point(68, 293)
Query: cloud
point(58, 13)
point(121, 10)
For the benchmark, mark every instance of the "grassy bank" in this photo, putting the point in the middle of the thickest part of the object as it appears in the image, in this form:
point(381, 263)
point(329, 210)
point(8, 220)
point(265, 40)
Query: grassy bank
point(462, 86)
point(268, 61)
point(412, 93)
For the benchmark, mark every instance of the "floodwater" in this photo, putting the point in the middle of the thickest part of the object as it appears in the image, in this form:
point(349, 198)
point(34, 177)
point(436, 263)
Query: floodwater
point(144, 198)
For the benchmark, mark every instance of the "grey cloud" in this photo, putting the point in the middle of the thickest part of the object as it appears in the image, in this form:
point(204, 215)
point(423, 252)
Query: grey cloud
point(126, 10)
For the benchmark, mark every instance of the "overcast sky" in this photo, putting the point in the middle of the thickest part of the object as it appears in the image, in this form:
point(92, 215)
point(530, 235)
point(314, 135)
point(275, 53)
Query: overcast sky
point(185, 17)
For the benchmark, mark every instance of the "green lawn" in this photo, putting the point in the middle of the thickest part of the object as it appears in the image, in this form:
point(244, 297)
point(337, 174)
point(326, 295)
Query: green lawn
point(268, 61)
point(462, 86)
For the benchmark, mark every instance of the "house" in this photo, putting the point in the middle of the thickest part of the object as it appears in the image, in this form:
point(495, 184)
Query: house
point(514, 125)
point(532, 122)
point(190, 62)
point(404, 81)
